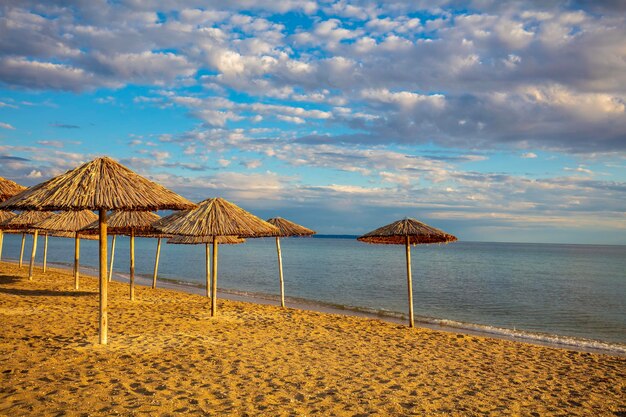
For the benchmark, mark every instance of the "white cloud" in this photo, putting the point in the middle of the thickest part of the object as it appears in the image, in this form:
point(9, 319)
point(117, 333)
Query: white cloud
point(394, 178)
point(51, 143)
point(589, 106)
point(252, 163)
point(290, 119)
point(48, 75)
point(216, 118)
point(146, 67)
point(580, 169)
point(6, 126)
point(404, 99)
point(529, 155)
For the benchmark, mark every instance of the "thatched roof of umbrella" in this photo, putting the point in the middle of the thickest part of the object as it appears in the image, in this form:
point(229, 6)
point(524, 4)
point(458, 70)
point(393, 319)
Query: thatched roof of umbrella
point(195, 240)
point(217, 217)
point(68, 221)
point(96, 185)
point(288, 228)
point(397, 232)
point(122, 222)
point(26, 220)
point(6, 215)
point(9, 188)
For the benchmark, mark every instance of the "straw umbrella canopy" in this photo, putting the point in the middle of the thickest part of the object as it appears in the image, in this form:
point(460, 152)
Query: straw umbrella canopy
point(70, 222)
point(6, 215)
point(217, 217)
point(287, 229)
point(198, 240)
point(206, 240)
point(101, 185)
point(25, 222)
point(407, 232)
point(8, 189)
point(129, 223)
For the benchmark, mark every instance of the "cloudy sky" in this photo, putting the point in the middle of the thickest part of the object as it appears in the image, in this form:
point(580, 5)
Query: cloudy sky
point(495, 121)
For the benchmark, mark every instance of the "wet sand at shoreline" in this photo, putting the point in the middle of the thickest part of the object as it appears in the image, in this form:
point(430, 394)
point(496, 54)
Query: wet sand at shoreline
point(167, 356)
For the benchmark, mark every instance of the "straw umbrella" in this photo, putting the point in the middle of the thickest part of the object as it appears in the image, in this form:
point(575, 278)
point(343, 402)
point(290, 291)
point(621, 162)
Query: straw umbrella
point(72, 222)
point(24, 222)
point(130, 223)
point(102, 185)
point(8, 189)
point(407, 232)
point(206, 240)
point(217, 217)
point(287, 229)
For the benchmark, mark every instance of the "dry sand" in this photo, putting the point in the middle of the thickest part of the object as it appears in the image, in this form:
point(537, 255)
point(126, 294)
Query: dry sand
point(167, 356)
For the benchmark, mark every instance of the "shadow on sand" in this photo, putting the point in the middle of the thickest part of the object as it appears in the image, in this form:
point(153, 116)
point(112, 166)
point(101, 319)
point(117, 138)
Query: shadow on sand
point(10, 279)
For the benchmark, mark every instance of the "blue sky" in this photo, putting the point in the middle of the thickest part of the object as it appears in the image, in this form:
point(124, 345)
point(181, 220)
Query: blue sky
point(495, 121)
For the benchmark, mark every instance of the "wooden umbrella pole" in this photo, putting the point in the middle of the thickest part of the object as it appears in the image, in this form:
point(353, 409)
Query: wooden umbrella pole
point(132, 264)
point(156, 263)
point(102, 220)
point(22, 249)
point(1, 242)
point(280, 273)
point(214, 283)
point(32, 256)
point(45, 253)
point(76, 260)
point(409, 281)
point(207, 256)
point(112, 256)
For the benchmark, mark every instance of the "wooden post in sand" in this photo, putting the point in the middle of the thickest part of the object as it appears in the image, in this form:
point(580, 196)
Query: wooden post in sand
point(112, 256)
point(1, 242)
point(76, 260)
point(32, 256)
point(132, 264)
point(102, 220)
point(214, 283)
point(22, 249)
point(409, 281)
point(208, 268)
point(280, 273)
point(45, 253)
point(156, 263)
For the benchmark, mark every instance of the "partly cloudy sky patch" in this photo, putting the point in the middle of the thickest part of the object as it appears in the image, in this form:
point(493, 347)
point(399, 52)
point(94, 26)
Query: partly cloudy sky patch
point(491, 120)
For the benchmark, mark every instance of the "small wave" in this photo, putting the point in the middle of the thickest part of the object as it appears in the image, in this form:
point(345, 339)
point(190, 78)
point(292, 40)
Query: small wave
point(538, 337)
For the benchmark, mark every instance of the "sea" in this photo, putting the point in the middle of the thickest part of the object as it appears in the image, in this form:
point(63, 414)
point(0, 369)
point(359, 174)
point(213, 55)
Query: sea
point(556, 294)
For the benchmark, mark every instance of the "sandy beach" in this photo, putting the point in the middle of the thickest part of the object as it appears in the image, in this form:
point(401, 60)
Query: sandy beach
point(167, 356)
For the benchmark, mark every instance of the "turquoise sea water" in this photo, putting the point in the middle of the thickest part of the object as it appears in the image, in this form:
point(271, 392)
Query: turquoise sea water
point(542, 291)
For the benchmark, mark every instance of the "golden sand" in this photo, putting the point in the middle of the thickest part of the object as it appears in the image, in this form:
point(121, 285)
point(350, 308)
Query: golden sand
point(167, 356)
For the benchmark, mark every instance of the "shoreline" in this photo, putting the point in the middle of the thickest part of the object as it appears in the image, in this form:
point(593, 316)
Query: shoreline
point(449, 326)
